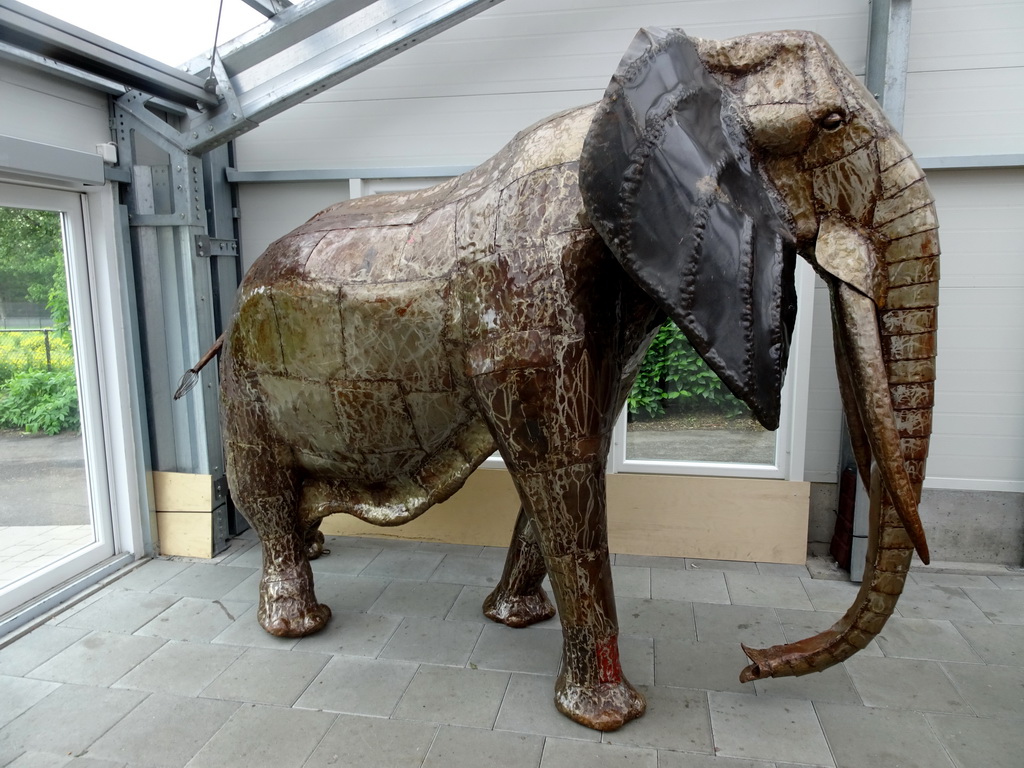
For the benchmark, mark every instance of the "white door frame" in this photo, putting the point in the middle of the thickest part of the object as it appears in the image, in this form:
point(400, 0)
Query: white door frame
point(108, 399)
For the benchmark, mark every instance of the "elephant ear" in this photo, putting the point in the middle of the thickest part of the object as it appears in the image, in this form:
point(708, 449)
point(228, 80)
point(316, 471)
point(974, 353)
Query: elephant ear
point(669, 182)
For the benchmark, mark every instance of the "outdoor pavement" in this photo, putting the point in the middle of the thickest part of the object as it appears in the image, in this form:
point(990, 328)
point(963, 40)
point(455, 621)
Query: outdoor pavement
point(167, 666)
point(735, 446)
point(42, 480)
point(44, 507)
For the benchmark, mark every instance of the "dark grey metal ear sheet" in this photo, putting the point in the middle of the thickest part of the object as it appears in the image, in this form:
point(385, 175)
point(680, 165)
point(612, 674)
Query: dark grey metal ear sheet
point(671, 187)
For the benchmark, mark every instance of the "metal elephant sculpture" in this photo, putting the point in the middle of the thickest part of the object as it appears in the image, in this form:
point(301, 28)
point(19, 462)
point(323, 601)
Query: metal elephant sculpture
point(381, 351)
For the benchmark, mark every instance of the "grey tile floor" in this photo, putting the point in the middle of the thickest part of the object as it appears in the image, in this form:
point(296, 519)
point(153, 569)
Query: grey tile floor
point(166, 666)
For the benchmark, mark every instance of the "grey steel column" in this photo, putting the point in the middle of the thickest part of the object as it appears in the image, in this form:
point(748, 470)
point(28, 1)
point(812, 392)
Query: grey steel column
point(886, 78)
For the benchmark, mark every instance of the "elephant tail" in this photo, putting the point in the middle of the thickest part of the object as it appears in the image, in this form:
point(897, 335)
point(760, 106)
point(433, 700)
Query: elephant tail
point(191, 377)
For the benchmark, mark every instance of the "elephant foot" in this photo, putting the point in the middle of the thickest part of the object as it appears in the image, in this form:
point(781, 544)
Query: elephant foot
point(314, 545)
point(601, 706)
point(518, 610)
point(288, 608)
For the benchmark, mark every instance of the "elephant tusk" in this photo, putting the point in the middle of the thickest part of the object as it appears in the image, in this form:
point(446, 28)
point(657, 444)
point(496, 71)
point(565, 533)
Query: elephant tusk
point(854, 424)
point(858, 326)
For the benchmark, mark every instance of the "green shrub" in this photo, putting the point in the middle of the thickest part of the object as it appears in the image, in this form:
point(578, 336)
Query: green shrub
point(673, 372)
point(26, 351)
point(40, 401)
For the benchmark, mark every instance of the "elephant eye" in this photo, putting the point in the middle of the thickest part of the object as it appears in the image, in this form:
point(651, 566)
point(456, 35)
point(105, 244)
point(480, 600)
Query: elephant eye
point(833, 121)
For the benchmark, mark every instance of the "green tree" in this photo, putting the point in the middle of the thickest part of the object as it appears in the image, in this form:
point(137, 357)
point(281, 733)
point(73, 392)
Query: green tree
point(673, 373)
point(32, 261)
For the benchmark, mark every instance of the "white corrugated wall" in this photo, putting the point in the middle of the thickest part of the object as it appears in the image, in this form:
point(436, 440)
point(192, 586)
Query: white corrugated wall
point(51, 111)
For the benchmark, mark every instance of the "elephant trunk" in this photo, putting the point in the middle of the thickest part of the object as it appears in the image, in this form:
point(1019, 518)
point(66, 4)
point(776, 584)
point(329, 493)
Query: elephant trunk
point(886, 364)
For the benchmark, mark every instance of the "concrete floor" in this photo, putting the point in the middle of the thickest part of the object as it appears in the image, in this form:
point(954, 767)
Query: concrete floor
point(166, 666)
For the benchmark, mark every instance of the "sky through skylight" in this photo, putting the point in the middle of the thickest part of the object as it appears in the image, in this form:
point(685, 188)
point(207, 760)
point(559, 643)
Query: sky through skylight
point(171, 31)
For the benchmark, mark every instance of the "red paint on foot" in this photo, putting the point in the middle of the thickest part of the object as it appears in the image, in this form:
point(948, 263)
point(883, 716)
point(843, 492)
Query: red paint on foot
point(609, 669)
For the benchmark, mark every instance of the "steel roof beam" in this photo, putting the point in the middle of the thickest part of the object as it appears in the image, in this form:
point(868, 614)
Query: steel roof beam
point(39, 33)
point(281, 32)
point(309, 48)
point(268, 8)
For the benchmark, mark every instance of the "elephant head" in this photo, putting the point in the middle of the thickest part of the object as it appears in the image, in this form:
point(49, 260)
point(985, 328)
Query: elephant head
point(709, 166)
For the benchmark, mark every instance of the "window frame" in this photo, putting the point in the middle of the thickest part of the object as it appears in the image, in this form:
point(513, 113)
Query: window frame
point(108, 392)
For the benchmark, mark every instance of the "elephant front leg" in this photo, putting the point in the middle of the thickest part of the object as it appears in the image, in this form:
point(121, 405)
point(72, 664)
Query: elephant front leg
point(519, 599)
point(567, 509)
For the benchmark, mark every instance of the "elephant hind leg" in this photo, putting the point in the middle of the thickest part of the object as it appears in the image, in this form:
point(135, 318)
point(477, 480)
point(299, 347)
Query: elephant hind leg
point(519, 599)
point(265, 489)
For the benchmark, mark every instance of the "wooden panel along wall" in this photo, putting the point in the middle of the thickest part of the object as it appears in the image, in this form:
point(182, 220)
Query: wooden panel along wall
point(669, 515)
point(184, 513)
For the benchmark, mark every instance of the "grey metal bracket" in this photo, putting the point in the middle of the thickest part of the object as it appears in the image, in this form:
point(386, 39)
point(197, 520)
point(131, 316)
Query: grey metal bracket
point(209, 128)
point(207, 247)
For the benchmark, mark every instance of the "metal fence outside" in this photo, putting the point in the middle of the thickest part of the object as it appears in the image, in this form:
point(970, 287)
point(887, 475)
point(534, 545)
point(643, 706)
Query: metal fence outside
point(45, 349)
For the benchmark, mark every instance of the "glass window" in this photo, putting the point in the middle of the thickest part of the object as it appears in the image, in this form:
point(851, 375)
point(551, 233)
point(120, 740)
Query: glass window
point(55, 510)
point(679, 410)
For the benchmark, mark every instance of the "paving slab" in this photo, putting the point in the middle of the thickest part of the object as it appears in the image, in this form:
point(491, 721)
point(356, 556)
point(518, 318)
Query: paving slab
point(120, 611)
point(534, 651)
point(452, 696)
point(84, 713)
point(994, 643)
point(433, 641)
point(709, 665)
point(483, 749)
point(905, 684)
point(770, 591)
point(867, 737)
point(183, 726)
point(562, 753)
point(975, 742)
point(414, 598)
point(358, 686)
point(99, 658)
point(689, 586)
point(262, 735)
point(366, 741)
point(991, 691)
point(769, 728)
point(20, 694)
point(935, 639)
point(467, 570)
point(180, 668)
point(263, 676)
point(676, 718)
point(38, 646)
point(753, 625)
point(526, 708)
point(1001, 606)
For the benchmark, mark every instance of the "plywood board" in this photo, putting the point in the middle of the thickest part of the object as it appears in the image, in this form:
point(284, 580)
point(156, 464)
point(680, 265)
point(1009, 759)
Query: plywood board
point(709, 517)
point(671, 515)
point(483, 513)
point(185, 534)
point(182, 492)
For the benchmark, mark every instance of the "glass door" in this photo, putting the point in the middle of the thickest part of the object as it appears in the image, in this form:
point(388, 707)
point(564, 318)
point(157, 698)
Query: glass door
point(55, 510)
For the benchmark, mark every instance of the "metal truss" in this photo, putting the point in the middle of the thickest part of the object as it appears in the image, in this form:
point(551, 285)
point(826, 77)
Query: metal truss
point(268, 7)
point(38, 39)
point(297, 53)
